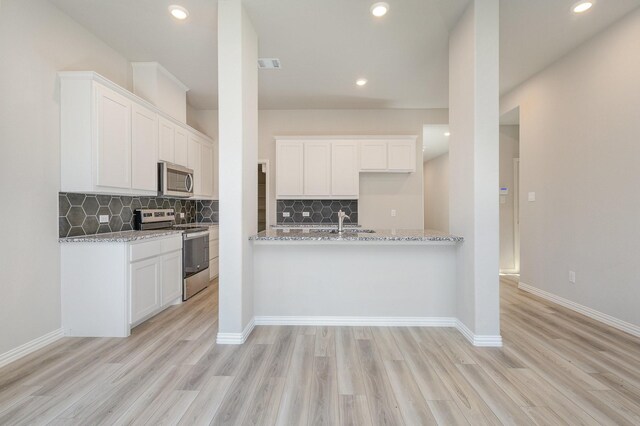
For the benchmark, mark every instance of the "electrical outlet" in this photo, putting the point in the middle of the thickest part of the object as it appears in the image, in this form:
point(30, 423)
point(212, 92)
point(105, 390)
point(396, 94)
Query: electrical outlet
point(104, 218)
point(286, 214)
point(572, 277)
point(306, 214)
point(181, 215)
point(393, 212)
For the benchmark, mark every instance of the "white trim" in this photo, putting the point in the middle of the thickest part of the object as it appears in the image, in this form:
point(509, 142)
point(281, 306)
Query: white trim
point(509, 272)
point(267, 194)
point(357, 321)
point(584, 310)
point(236, 338)
point(29, 347)
point(492, 341)
point(348, 137)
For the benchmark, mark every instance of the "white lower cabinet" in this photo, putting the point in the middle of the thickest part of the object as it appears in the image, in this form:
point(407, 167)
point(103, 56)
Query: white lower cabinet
point(109, 287)
point(145, 287)
point(213, 252)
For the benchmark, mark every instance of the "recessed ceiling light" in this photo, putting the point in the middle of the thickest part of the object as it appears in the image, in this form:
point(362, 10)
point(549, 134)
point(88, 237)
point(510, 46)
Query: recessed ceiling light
point(379, 9)
point(361, 81)
point(582, 6)
point(447, 134)
point(178, 12)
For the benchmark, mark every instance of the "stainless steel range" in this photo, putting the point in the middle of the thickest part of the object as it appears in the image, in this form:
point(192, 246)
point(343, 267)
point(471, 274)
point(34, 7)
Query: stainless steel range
point(195, 247)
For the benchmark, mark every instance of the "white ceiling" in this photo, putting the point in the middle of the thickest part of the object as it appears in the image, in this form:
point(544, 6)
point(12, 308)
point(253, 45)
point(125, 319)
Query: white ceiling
point(325, 45)
point(435, 142)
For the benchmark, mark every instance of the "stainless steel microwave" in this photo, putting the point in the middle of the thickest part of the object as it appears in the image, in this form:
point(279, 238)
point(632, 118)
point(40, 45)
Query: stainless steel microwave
point(174, 180)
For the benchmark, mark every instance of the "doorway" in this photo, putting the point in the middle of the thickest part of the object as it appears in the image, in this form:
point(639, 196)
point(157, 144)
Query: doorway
point(263, 194)
point(510, 193)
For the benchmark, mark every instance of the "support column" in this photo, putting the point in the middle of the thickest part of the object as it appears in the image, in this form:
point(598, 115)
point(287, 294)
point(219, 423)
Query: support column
point(238, 154)
point(473, 159)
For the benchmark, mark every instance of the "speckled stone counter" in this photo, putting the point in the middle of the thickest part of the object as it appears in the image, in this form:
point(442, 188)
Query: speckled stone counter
point(120, 237)
point(293, 235)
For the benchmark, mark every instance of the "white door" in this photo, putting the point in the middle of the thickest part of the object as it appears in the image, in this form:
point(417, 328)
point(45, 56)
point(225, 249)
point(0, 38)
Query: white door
point(402, 156)
point(113, 139)
point(144, 146)
point(317, 168)
point(171, 277)
point(194, 163)
point(206, 153)
point(289, 166)
point(166, 145)
point(181, 155)
point(373, 155)
point(345, 176)
point(145, 288)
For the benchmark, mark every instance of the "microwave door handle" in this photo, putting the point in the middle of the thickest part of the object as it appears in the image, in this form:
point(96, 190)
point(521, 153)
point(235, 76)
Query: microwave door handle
point(189, 183)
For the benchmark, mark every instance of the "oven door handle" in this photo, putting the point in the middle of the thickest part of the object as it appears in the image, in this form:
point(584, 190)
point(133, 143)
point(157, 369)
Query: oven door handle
point(196, 235)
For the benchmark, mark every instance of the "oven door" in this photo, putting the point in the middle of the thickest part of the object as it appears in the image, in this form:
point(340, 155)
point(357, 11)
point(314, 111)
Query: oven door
point(176, 181)
point(195, 253)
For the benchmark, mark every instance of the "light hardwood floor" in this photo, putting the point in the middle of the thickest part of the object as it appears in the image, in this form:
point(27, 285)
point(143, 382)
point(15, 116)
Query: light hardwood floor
point(556, 367)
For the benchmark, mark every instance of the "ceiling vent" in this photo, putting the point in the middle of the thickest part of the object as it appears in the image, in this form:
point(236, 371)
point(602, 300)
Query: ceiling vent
point(269, 63)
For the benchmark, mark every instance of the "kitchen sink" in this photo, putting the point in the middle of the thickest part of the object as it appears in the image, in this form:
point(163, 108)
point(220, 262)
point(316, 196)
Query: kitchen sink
point(346, 231)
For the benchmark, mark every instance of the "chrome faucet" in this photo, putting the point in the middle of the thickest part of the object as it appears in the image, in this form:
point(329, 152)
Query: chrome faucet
point(341, 217)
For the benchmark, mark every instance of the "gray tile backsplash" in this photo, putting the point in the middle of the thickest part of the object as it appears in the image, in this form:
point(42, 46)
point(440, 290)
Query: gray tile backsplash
point(78, 214)
point(320, 211)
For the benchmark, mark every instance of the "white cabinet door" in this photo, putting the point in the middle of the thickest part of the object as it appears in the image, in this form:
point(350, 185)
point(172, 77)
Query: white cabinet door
point(145, 288)
point(402, 156)
point(206, 169)
point(345, 176)
point(317, 168)
point(213, 268)
point(194, 163)
point(289, 168)
point(144, 146)
point(113, 139)
point(166, 145)
point(181, 155)
point(373, 155)
point(171, 277)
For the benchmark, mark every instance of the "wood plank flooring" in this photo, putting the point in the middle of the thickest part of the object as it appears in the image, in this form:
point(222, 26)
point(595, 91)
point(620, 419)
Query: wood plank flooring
point(556, 367)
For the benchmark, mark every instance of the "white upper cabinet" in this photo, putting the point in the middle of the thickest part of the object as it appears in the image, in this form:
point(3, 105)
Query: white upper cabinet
point(111, 140)
point(289, 168)
point(113, 114)
point(167, 143)
point(317, 168)
point(206, 169)
point(345, 179)
point(401, 156)
point(181, 156)
point(373, 155)
point(144, 148)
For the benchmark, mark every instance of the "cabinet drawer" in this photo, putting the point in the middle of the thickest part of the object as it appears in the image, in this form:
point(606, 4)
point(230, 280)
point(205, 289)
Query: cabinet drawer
point(213, 249)
point(143, 250)
point(213, 233)
point(172, 244)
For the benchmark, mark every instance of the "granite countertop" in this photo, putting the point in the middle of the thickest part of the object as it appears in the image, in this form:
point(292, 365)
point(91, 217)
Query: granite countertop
point(312, 225)
point(310, 234)
point(120, 237)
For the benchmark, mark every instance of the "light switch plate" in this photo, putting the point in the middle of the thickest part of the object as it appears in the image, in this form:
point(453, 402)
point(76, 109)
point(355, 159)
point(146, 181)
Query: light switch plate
point(532, 196)
point(104, 218)
point(181, 215)
point(572, 277)
point(393, 213)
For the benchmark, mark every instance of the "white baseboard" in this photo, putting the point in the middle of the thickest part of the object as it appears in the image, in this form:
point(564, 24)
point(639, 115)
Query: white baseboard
point(29, 347)
point(584, 310)
point(489, 341)
point(357, 321)
point(236, 338)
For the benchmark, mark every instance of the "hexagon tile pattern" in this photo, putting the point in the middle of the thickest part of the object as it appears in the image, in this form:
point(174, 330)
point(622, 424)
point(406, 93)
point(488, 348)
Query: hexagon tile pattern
point(320, 211)
point(79, 214)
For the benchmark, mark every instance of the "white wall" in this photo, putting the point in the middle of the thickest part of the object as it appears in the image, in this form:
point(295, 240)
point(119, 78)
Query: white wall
point(436, 193)
point(379, 193)
point(509, 149)
point(579, 152)
point(473, 161)
point(204, 120)
point(36, 41)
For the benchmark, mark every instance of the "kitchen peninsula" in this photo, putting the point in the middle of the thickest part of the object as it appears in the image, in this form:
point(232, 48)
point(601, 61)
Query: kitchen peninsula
point(317, 276)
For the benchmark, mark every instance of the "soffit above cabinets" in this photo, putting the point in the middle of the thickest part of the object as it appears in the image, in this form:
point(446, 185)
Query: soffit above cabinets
point(403, 55)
